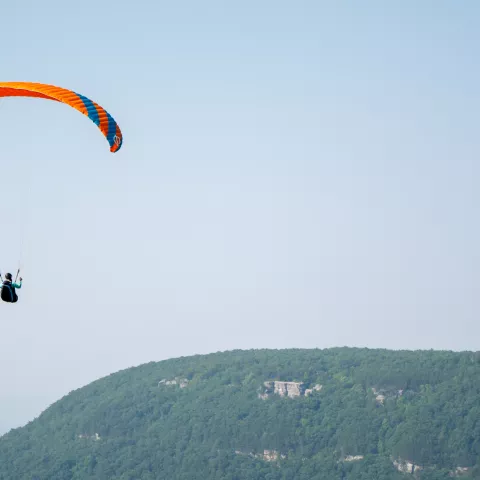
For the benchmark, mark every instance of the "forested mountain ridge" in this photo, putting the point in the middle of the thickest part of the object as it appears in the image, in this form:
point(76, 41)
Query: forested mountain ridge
point(345, 413)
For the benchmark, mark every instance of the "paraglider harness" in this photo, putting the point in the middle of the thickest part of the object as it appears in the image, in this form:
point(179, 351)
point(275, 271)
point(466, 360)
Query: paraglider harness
point(8, 293)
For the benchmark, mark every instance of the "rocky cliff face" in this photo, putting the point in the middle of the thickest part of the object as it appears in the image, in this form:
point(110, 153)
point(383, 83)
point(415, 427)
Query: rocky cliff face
point(287, 389)
point(181, 382)
point(408, 467)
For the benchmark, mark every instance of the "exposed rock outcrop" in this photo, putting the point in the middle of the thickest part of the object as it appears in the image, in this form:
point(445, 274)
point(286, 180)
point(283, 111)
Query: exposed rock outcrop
point(96, 436)
point(353, 458)
point(271, 455)
point(382, 394)
point(405, 466)
point(287, 389)
point(316, 388)
point(181, 382)
point(379, 397)
point(267, 455)
point(459, 471)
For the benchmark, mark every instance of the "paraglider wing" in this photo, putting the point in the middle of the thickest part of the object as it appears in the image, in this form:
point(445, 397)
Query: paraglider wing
point(92, 110)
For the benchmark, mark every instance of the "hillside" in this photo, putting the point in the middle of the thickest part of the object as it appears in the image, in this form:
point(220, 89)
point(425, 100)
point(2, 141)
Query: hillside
point(265, 414)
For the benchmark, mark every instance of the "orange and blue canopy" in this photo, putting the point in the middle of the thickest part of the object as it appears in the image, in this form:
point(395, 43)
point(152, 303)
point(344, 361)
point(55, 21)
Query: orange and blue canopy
point(92, 110)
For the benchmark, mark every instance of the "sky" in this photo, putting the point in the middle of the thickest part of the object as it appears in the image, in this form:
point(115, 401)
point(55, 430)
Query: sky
point(293, 174)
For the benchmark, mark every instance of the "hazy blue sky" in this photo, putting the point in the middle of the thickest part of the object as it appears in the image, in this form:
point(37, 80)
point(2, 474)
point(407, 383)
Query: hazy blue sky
point(294, 174)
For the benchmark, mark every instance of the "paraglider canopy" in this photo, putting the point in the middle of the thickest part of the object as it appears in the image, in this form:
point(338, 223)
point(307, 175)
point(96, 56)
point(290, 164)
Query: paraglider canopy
point(92, 110)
